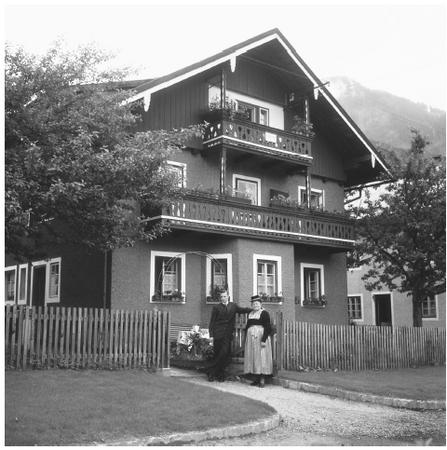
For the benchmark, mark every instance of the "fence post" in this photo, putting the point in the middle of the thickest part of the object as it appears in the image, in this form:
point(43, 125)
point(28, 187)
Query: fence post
point(279, 340)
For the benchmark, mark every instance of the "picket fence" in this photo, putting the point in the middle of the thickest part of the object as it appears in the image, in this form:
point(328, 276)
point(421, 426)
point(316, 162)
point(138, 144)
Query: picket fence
point(85, 338)
point(344, 347)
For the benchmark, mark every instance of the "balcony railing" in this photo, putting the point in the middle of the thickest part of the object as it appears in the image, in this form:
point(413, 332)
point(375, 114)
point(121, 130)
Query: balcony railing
point(226, 217)
point(260, 138)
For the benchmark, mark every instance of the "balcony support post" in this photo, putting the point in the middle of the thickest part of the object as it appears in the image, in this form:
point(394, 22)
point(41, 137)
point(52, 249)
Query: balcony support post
point(308, 187)
point(306, 110)
point(223, 89)
point(223, 170)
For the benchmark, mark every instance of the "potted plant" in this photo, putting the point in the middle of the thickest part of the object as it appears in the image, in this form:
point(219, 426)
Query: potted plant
point(320, 301)
point(301, 127)
point(215, 293)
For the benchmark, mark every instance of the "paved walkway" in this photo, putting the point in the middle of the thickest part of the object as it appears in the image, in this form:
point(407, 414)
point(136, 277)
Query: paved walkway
point(313, 419)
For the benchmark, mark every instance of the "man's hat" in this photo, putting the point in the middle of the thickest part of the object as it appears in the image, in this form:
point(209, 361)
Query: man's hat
point(255, 298)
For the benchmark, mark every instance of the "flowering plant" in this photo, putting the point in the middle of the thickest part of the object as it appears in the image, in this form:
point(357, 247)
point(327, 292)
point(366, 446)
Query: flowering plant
point(195, 344)
point(275, 298)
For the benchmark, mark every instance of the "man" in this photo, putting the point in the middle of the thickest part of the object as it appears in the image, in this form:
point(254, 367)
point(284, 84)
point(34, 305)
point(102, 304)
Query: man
point(221, 329)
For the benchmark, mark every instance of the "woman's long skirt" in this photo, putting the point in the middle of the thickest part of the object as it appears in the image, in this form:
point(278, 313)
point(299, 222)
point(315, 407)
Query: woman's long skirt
point(257, 360)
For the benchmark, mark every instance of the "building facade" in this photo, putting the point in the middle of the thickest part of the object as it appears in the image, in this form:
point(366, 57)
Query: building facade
point(262, 210)
point(385, 307)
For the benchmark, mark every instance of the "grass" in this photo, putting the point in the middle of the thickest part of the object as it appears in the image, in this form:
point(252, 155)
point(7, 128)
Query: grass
point(423, 383)
point(63, 407)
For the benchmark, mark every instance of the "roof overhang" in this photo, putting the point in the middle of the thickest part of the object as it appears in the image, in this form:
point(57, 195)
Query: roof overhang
point(145, 90)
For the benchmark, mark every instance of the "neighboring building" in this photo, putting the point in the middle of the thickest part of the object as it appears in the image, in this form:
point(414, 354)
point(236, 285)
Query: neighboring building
point(263, 211)
point(385, 307)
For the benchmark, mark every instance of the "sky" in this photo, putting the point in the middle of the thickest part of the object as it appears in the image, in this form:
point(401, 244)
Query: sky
point(396, 47)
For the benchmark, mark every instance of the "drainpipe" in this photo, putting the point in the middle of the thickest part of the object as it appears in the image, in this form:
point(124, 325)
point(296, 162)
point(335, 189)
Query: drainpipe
point(104, 294)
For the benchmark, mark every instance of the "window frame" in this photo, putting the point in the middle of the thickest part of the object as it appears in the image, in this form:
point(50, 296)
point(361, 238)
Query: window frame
point(182, 257)
point(361, 308)
point(302, 189)
point(47, 263)
point(436, 317)
point(11, 269)
point(256, 111)
point(302, 281)
point(269, 258)
point(237, 176)
point(19, 279)
point(183, 167)
point(208, 275)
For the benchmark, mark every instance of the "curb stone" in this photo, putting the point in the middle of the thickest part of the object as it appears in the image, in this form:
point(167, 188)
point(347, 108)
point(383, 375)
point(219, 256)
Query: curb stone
point(255, 427)
point(359, 396)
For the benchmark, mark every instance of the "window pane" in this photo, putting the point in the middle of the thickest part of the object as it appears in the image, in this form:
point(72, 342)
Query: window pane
point(23, 281)
point(266, 279)
point(249, 188)
point(54, 280)
point(170, 276)
point(429, 307)
point(355, 307)
point(263, 116)
point(219, 273)
point(178, 174)
point(312, 284)
point(10, 285)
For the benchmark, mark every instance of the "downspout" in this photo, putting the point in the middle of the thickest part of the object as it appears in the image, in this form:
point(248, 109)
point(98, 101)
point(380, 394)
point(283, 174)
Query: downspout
point(104, 294)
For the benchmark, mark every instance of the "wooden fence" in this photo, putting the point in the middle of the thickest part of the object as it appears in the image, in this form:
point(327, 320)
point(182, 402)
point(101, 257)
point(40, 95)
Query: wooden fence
point(345, 347)
point(85, 338)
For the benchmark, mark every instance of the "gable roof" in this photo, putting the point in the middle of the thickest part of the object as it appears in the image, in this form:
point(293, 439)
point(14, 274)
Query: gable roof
point(145, 89)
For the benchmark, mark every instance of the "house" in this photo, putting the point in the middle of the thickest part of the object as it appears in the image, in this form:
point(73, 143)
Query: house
point(385, 307)
point(263, 205)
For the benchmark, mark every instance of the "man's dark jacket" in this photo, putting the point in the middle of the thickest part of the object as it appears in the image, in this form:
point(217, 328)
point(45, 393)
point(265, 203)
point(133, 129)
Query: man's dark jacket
point(223, 318)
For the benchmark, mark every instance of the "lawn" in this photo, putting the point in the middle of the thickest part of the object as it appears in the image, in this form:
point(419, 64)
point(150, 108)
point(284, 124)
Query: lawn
point(423, 383)
point(63, 407)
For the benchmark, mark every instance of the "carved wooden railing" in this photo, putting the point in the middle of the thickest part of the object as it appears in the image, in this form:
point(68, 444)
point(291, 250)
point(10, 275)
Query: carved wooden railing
point(269, 223)
point(263, 138)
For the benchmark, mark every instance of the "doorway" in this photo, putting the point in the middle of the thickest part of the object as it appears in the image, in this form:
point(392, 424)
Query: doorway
point(382, 309)
point(38, 288)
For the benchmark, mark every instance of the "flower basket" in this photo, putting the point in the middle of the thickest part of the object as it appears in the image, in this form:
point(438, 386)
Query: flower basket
point(319, 302)
point(192, 346)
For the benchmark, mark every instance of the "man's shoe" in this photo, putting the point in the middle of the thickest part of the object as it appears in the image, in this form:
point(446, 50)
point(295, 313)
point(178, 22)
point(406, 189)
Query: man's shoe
point(210, 378)
point(221, 379)
point(261, 382)
point(255, 383)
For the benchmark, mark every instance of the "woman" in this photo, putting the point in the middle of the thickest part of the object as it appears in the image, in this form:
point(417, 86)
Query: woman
point(258, 348)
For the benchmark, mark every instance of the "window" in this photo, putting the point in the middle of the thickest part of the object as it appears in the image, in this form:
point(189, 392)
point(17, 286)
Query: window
point(22, 284)
point(179, 171)
point(167, 277)
point(429, 308)
point(312, 284)
point(355, 307)
point(219, 276)
point(46, 281)
point(10, 284)
point(267, 277)
point(249, 187)
point(316, 197)
point(254, 113)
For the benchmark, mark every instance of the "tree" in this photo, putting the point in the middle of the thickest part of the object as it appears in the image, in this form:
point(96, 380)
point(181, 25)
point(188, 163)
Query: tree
point(76, 172)
point(401, 233)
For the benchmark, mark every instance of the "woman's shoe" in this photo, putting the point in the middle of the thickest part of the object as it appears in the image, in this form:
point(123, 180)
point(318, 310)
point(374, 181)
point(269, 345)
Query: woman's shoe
point(255, 383)
point(261, 382)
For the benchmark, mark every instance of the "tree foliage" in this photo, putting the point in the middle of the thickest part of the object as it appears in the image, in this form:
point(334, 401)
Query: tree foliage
point(76, 171)
point(401, 232)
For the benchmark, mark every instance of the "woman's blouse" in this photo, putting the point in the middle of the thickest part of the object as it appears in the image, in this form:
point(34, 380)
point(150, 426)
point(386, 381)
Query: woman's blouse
point(260, 317)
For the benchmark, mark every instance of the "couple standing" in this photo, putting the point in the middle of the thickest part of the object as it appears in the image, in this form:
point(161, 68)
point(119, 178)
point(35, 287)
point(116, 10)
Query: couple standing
point(258, 349)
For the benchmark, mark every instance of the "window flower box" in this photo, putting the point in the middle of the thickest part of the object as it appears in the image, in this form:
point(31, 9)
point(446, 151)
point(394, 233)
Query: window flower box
point(174, 297)
point(319, 302)
point(277, 298)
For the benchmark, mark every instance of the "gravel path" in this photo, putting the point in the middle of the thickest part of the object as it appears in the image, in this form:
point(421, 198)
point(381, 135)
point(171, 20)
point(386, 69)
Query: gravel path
point(313, 419)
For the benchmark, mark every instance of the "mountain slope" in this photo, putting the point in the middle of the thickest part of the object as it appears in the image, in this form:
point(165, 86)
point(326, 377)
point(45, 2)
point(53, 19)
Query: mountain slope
point(387, 119)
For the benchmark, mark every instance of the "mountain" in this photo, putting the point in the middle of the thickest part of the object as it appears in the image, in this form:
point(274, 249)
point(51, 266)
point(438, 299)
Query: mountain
point(387, 119)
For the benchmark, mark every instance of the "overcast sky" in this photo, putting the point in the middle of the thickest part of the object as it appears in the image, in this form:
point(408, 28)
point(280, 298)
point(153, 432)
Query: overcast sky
point(399, 48)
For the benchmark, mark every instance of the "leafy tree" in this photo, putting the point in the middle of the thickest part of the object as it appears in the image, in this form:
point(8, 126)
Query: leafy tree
point(401, 232)
point(76, 171)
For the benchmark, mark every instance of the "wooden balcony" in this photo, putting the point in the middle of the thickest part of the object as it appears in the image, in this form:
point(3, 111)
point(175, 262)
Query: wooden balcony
point(256, 138)
point(214, 215)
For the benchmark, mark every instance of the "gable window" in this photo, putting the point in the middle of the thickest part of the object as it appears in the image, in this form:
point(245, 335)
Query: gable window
point(249, 187)
point(219, 276)
point(429, 308)
point(178, 170)
point(167, 277)
point(355, 307)
point(312, 284)
point(267, 278)
point(254, 113)
point(10, 284)
point(46, 282)
point(316, 197)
